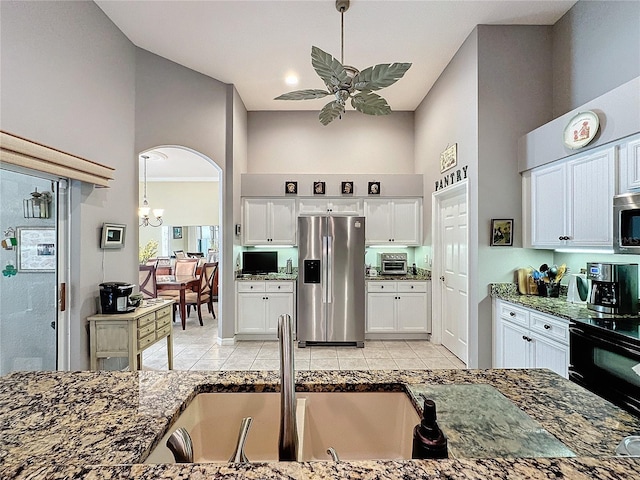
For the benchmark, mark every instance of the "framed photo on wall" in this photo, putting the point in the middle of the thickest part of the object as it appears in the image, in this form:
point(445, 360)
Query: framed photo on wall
point(36, 249)
point(318, 188)
point(374, 188)
point(112, 235)
point(177, 233)
point(347, 188)
point(501, 232)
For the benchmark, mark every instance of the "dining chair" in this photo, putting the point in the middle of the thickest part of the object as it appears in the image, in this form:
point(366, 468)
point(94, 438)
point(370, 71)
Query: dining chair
point(214, 288)
point(152, 262)
point(195, 254)
point(203, 295)
point(179, 254)
point(147, 281)
point(185, 267)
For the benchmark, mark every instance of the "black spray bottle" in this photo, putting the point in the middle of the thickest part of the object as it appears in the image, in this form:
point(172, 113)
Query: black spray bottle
point(428, 440)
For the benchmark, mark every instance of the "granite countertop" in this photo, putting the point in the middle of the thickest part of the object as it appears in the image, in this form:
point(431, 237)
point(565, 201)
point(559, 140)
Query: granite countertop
point(558, 307)
point(421, 276)
point(270, 276)
point(100, 425)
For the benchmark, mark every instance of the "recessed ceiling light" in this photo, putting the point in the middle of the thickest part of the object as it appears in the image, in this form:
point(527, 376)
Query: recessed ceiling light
point(291, 79)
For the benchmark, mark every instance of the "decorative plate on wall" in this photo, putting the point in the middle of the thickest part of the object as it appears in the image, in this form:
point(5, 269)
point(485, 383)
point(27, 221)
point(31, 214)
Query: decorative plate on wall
point(581, 129)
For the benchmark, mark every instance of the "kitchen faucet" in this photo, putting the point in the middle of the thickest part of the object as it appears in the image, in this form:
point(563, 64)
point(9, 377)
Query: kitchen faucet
point(288, 439)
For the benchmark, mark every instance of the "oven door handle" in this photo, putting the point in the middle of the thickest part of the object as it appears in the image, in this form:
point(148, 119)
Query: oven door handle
point(616, 346)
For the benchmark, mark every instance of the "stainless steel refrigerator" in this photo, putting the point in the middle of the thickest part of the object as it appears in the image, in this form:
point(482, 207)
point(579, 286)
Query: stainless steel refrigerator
point(330, 294)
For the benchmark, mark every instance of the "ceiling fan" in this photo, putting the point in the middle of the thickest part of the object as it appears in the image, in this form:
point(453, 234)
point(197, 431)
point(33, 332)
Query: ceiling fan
point(345, 82)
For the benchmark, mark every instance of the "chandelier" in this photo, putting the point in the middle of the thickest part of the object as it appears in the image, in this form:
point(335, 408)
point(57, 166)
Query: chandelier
point(145, 209)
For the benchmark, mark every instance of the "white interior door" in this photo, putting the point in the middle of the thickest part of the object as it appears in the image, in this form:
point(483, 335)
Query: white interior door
point(453, 255)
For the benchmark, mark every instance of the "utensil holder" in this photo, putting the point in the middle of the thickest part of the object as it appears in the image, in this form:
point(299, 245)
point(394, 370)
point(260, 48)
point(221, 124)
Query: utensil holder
point(548, 289)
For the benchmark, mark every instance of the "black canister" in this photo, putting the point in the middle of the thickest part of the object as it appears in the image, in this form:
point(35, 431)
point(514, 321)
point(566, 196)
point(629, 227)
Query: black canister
point(114, 297)
point(428, 440)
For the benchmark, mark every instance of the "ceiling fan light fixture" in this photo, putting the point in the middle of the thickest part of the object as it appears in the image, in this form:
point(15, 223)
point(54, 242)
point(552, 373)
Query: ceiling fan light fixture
point(345, 81)
point(291, 79)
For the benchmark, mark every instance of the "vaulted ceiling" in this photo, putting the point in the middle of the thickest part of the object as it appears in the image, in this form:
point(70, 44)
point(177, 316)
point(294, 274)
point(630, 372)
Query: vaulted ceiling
point(255, 44)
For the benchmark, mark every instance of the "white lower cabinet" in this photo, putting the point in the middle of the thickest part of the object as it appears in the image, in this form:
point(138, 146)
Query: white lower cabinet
point(260, 303)
point(525, 338)
point(398, 307)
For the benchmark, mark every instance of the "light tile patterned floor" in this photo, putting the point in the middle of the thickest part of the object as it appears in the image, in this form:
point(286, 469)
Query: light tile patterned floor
point(195, 349)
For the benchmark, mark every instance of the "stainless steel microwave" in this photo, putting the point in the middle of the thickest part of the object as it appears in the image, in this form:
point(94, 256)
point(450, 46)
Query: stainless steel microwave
point(626, 223)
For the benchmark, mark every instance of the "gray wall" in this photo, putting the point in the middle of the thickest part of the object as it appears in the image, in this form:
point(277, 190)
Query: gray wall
point(296, 142)
point(514, 80)
point(68, 82)
point(178, 106)
point(596, 47)
point(494, 90)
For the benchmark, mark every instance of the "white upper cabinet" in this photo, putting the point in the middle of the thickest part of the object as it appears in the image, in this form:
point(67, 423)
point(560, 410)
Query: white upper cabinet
point(333, 206)
point(393, 221)
point(269, 221)
point(570, 202)
point(630, 166)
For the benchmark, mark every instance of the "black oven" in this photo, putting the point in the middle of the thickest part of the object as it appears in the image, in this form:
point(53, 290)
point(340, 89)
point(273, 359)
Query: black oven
point(605, 358)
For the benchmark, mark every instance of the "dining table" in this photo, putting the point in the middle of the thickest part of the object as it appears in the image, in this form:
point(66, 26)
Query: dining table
point(181, 283)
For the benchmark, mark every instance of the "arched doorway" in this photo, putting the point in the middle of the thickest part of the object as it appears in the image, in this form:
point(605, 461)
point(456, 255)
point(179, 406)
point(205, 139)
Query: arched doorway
point(187, 186)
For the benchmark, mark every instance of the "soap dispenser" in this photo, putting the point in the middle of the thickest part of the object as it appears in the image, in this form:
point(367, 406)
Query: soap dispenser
point(428, 440)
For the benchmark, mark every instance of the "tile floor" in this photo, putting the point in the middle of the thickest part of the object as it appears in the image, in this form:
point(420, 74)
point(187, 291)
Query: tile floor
point(195, 349)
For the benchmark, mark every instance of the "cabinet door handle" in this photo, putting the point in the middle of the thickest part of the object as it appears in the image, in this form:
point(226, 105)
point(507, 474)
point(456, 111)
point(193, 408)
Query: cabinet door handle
point(513, 314)
point(547, 327)
point(381, 287)
point(412, 287)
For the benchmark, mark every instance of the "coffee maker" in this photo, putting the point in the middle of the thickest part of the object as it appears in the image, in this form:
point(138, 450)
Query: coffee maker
point(614, 287)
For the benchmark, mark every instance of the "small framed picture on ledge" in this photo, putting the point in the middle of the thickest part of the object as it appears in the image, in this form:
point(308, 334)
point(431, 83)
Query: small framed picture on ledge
point(290, 187)
point(374, 188)
point(318, 188)
point(347, 188)
point(501, 232)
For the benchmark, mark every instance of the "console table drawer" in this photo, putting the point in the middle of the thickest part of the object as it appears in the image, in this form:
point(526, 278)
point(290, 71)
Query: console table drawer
point(162, 321)
point(146, 330)
point(163, 312)
point(161, 332)
point(144, 341)
point(148, 318)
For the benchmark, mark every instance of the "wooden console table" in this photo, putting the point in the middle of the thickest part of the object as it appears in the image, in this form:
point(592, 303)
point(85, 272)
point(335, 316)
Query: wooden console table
point(128, 334)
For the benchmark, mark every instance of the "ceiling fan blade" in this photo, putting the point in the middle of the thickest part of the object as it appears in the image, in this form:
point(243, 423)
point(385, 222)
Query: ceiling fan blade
point(370, 103)
point(330, 111)
point(328, 68)
point(380, 76)
point(303, 95)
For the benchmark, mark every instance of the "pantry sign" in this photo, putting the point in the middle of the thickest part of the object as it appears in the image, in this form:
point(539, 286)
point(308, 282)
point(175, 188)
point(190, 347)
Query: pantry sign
point(451, 178)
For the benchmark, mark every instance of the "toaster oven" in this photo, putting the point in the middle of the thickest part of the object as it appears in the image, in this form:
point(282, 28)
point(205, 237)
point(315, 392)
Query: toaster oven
point(392, 263)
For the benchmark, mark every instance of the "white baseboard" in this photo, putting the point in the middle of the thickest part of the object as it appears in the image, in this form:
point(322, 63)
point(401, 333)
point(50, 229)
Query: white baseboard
point(227, 341)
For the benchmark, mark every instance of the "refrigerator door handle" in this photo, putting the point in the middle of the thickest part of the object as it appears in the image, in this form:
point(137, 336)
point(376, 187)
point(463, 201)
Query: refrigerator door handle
point(329, 263)
point(325, 247)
